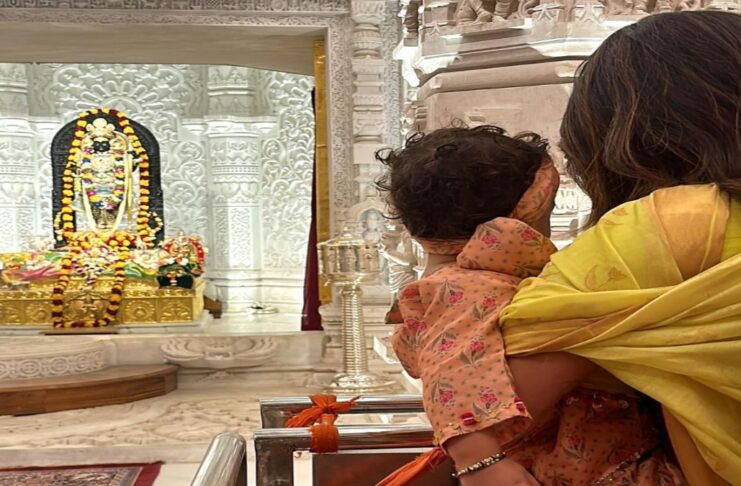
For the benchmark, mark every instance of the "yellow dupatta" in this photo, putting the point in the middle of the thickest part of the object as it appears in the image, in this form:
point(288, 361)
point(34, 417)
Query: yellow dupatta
point(643, 295)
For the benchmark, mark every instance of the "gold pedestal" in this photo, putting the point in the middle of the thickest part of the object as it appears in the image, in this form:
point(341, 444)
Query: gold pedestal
point(144, 302)
point(67, 331)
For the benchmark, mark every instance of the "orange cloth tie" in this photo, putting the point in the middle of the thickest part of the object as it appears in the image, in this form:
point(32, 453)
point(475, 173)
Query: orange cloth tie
point(413, 470)
point(320, 418)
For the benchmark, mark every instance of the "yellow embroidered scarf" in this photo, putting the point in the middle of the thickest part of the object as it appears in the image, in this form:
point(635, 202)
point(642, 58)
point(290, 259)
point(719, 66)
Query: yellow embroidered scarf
point(652, 294)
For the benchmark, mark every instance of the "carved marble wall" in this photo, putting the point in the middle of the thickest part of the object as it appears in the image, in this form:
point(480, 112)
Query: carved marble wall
point(236, 147)
point(17, 167)
point(511, 63)
point(363, 92)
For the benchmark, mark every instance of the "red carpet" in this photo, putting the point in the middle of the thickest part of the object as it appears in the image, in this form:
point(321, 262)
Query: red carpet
point(98, 475)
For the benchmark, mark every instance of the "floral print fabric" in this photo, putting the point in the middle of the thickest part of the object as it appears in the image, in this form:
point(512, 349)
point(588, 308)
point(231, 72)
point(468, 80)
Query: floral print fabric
point(450, 339)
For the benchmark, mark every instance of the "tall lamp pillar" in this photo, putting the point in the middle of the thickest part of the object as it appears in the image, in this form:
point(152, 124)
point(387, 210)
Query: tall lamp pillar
point(347, 262)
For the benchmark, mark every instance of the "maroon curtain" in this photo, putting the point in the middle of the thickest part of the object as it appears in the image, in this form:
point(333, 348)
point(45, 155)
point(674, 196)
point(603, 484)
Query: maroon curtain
point(310, 319)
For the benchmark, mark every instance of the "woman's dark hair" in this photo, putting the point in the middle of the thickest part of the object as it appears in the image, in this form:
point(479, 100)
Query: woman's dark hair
point(657, 105)
point(444, 184)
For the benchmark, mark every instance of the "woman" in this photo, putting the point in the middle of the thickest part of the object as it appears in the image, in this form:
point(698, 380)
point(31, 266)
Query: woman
point(652, 292)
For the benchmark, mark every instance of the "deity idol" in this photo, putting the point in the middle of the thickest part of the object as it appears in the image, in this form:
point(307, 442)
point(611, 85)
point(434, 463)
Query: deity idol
point(106, 182)
point(104, 179)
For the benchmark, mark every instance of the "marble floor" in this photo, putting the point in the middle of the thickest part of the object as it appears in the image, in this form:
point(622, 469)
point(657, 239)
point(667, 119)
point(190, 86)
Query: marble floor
point(175, 428)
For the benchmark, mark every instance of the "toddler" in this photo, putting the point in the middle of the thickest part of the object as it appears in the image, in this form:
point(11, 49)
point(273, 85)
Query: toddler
point(479, 202)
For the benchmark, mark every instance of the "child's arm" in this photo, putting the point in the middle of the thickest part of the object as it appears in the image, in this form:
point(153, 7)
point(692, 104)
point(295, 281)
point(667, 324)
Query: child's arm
point(541, 380)
point(470, 448)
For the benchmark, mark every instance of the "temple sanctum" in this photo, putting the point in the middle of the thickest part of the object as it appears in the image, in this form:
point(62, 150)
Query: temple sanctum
point(192, 241)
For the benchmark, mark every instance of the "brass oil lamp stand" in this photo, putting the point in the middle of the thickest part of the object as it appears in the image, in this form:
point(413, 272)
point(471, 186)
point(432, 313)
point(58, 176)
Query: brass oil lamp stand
point(347, 262)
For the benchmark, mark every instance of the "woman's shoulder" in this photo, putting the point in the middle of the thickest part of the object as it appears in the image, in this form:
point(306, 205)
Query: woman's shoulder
point(657, 230)
point(664, 207)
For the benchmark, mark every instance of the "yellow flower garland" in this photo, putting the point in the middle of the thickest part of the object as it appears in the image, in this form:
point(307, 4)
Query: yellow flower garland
point(119, 242)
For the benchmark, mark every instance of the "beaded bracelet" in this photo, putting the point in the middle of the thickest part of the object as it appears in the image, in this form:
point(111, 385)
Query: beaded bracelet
point(483, 463)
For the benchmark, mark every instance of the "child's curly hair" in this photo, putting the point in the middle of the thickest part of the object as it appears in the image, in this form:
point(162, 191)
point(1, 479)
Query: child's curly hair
point(444, 184)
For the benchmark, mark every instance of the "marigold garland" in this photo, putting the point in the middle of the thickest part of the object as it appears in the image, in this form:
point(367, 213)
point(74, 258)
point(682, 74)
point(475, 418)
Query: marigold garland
point(120, 242)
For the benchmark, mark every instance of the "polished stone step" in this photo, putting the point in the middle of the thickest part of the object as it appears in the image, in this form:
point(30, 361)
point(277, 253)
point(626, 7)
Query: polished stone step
point(114, 385)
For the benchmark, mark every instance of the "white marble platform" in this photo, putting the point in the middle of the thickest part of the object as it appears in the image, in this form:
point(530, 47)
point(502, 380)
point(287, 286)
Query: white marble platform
point(174, 428)
point(269, 343)
point(31, 357)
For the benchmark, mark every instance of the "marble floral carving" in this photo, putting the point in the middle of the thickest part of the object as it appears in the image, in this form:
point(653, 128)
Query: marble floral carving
point(27, 358)
point(248, 5)
point(287, 171)
point(220, 353)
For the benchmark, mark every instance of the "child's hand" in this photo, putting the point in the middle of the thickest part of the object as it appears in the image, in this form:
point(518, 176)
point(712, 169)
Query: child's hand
point(504, 473)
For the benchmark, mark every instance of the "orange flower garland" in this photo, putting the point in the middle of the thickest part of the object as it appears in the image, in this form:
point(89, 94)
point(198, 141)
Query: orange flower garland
point(120, 242)
point(57, 297)
point(144, 215)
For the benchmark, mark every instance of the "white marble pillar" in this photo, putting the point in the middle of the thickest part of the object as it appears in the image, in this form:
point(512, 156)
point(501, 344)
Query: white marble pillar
point(234, 141)
point(368, 67)
point(371, 85)
point(17, 163)
point(44, 127)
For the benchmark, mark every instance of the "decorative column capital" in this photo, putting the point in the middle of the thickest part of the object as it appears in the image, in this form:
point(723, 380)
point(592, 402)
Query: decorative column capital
point(366, 37)
point(368, 11)
point(231, 91)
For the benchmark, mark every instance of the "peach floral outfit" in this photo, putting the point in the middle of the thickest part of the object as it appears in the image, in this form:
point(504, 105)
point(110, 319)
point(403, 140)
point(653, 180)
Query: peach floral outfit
point(450, 339)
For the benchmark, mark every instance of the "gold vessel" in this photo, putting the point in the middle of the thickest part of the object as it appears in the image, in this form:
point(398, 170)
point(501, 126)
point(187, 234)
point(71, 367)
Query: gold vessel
point(144, 303)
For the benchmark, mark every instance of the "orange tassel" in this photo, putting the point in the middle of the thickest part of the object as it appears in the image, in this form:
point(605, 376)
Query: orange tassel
point(413, 470)
point(323, 404)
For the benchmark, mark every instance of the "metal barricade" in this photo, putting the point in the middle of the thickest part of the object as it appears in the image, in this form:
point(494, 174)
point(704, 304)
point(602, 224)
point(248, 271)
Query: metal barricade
point(367, 453)
point(274, 411)
point(225, 462)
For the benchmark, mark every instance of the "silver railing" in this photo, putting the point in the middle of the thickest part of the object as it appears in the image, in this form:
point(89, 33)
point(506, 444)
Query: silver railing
point(225, 462)
point(366, 454)
point(274, 411)
point(357, 462)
